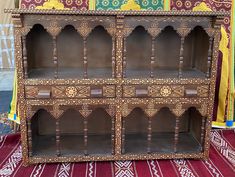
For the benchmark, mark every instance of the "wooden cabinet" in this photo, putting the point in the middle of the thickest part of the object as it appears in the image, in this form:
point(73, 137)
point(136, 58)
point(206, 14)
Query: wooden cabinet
point(109, 85)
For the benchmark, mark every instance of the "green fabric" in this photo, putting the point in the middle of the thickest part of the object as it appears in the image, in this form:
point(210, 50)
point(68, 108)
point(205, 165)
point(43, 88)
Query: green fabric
point(116, 4)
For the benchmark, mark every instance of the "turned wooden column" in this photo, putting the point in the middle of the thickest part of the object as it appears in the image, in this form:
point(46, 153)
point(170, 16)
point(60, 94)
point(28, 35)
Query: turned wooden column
point(55, 58)
point(85, 61)
point(181, 59)
point(123, 135)
point(124, 57)
point(30, 144)
point(149, 137)
point(85, 136)
point(176, 137)
point(25, 59)
point(183, 32)
point(152, 57)
point(113, 57)
point(209, 57)
point(57, 137)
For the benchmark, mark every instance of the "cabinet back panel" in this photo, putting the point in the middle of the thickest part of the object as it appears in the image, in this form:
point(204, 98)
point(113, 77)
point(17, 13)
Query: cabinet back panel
point(70, 48)
point(196, 50)
point(163, 121)
point(99, 50)
point(195, 124)
point(167, 51)
point(99, 122)
point(44, 123)
point(39, 48)
point(71, 122)
point(138, 46)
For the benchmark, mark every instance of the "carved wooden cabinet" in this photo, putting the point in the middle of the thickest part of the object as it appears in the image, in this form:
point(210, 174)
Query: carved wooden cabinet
point(115, 85)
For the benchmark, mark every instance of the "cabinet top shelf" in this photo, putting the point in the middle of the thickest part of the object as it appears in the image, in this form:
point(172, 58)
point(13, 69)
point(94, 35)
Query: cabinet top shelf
point(113, 12)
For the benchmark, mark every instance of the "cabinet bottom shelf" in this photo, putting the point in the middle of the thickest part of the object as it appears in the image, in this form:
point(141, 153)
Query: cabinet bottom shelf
point(100, 145)
point(73, 145)
point(161, 143)
point(107, 73)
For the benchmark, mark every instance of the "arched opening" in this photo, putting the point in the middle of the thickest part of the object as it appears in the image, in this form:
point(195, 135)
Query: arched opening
point(39, 53)
point(138, 53)
point(135, 131)
point(71, 132)
point(43, 133)
point(196, 53)
point(99, 132)
point(163, 130)
point(70, 53)
point(99, 53)
point(190, 131)
point(167, 53)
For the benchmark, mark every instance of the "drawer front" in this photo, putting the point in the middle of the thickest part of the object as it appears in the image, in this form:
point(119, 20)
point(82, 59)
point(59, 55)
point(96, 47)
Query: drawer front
point(159, 91)
point(81, 91)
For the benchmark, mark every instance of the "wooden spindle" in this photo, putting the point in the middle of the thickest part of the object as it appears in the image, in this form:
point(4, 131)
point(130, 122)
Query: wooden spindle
point(55, 59)
point(25, 59)
point(152, 57)
point(57, 137)
point(149, 134)
point(85, 62)
point(124, 57)
point(181, 60)
point(85, 136)
point(209, 57)
point(123, 136)
point(30, 144)
point(113, 135)
point(203, 132)
point(113, 57)
point(176, 138)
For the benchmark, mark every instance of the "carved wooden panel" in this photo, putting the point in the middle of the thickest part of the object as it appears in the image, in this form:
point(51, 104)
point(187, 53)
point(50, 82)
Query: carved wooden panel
point(108, 91)
point(174, 91)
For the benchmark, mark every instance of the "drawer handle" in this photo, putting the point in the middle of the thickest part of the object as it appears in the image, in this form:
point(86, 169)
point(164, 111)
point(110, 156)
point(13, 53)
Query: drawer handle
point(96, 92)
point(44, 94)
point(141, 92)
point(190, 92)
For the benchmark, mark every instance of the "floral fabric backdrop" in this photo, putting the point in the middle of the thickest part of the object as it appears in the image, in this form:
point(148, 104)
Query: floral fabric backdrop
point(215, 5)
point(70, 4)
point(116, 4)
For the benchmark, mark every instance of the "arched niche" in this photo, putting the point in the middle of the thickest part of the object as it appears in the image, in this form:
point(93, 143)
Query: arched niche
point(135, 127)
point(70, 53)
point(138, 53)
point(99, 53)
point(71, 132)
point(99, 132)
point(43, 129)
point(190, 131)
point(163, 130)
point(196, 53)
point(167, 53)
point(39, 47)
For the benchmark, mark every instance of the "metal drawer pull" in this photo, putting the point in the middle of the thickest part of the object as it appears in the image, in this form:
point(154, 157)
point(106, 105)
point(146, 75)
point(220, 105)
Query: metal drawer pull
point(44, 94)
point(96, 92)
point(141, 92)
point(190, 92)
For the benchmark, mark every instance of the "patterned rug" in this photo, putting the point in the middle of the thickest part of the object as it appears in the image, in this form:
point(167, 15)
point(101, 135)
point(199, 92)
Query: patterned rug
point(220, 163)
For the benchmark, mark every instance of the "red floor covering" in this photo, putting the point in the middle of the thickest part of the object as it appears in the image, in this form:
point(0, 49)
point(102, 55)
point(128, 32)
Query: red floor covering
point(220, 163)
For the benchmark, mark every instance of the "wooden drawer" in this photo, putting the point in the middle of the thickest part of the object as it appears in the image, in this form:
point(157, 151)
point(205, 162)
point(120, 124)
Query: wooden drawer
point(72, 91)
point(175, 91)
